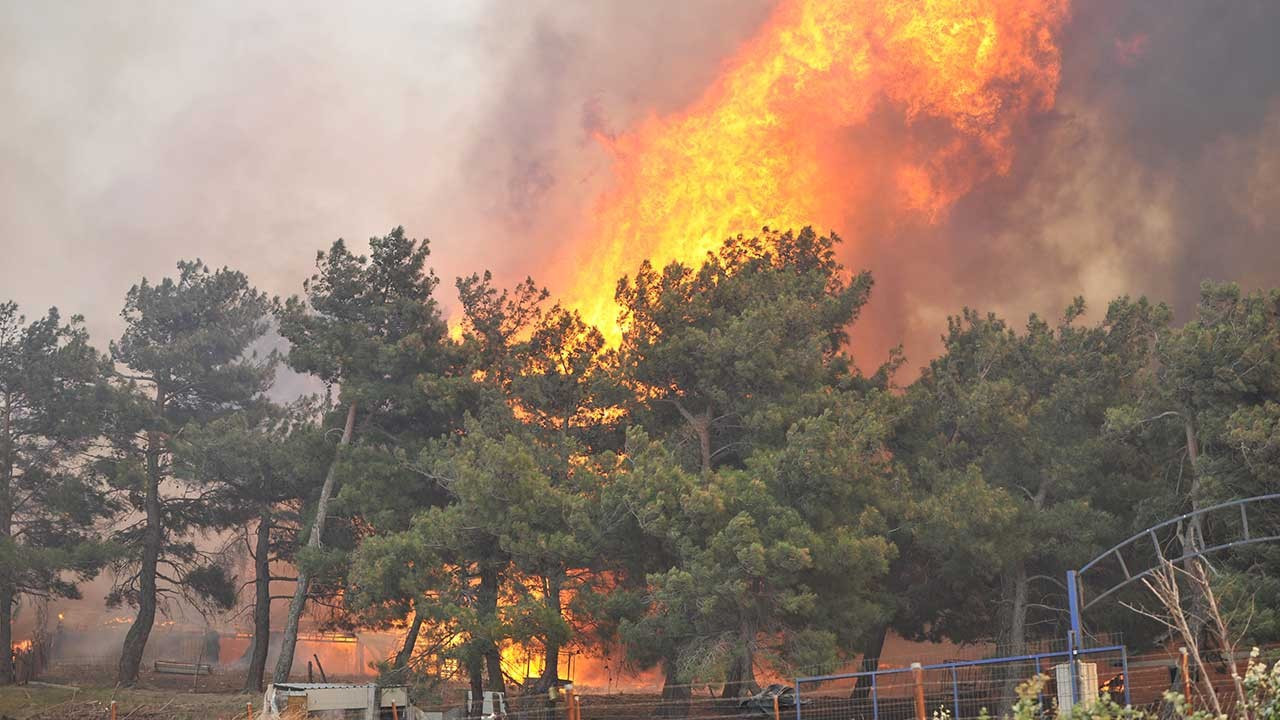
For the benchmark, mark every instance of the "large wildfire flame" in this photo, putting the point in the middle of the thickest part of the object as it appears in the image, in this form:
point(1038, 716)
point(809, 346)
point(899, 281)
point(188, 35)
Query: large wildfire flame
point(767, 144)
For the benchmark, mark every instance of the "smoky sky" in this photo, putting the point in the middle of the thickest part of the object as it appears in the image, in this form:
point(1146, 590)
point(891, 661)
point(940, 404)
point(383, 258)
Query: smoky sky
point(134, 134)
point(1157, 168)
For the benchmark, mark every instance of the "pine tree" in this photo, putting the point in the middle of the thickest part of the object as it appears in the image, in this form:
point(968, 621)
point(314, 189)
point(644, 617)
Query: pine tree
point(52, 385)
point(370, 326)
point(185, 358)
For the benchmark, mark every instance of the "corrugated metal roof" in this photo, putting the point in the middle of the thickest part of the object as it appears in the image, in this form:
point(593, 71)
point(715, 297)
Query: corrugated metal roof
point(332, 686)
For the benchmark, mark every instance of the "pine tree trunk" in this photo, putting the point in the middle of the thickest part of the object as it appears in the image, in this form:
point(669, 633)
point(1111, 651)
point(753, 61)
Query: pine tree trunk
point(6, 633)
point(289, 642)
point(410, 642)
point(551, 657)
point(488, 600)
point(675, 695)
point(475, 674)
point(733, 679)
point(1012, 639)
point(261, 604)
point(704, 446)
point(701, 425)
point(870, 661)
point(135, 641)
point(493, 667)
point(741, 680)
point(7, 581)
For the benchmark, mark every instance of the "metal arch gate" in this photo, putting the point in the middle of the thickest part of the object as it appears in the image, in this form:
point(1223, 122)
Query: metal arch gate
point(1246, 537)
point(1075, 647)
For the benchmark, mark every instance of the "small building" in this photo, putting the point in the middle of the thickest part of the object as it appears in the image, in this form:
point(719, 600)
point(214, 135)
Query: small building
point(339, 701)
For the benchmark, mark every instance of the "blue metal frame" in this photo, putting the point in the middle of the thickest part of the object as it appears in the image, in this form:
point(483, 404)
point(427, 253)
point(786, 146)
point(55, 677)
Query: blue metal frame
point(1037, 658)
point(1075, 637)
point(1248, 539)
point(1124, 668)
point(1074, 582)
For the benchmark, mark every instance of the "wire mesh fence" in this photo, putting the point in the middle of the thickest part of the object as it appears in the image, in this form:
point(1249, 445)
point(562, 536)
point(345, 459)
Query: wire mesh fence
point(961, 689)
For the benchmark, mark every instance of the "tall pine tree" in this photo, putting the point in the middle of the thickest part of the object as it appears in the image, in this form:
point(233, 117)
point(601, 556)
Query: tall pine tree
point(51, 398)
point(185, 358)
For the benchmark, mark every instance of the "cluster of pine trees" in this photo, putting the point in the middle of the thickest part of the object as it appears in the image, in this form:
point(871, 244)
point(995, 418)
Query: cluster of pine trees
point(722, 490)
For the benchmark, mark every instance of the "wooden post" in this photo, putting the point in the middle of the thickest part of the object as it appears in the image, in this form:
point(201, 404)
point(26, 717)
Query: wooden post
point(577, 708)
point(571, 706)
point(917, 674)
point(113, 710)
point(1186, 676)
point(395, 714)
point(248, 709)
point(776, 715)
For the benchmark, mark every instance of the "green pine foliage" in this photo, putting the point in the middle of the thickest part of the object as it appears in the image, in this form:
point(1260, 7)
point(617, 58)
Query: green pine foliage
point(723, 493)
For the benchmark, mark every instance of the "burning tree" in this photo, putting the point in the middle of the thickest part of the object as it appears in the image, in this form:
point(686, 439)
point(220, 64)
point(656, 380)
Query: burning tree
point(513, 478)
point(724, 361)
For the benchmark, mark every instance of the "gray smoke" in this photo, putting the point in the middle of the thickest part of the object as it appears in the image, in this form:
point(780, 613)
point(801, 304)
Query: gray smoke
point(138, 133)
point(1158, 167)
point(253, 134)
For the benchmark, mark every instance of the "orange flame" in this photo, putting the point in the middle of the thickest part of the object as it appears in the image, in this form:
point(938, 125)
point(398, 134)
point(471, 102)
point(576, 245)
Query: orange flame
point(767, 144)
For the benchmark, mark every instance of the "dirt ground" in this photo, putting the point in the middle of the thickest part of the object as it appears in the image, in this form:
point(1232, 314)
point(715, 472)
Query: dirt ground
point(28, 702)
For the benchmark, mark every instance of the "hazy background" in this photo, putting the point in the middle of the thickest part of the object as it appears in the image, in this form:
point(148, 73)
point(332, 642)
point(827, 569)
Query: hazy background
point(133, 134)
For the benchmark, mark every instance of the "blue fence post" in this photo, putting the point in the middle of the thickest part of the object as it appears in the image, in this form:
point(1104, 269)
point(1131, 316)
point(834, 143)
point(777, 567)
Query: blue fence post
point(875, 698)
point(1124, 669)
point(1073, 636)
point(798, 703)
point(955, 693)
point(1040, 689)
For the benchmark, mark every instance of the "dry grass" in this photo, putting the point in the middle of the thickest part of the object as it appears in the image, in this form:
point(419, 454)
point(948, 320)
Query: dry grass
point(29, 702)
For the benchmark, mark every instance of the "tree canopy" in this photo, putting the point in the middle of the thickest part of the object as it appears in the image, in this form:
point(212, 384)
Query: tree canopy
point(723, 494)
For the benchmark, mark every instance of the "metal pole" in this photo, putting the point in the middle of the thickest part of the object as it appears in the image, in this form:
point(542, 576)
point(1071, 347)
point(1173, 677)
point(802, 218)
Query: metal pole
point(1073, 637)
point(875, 699)
point(955, 693)
point(1124, 670)
point(1040, 691)
point(797, 699)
